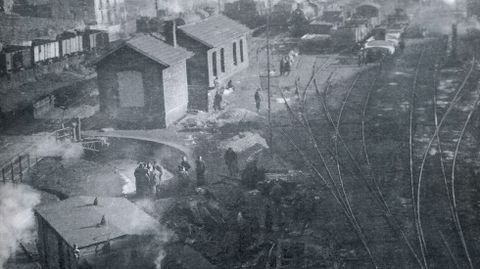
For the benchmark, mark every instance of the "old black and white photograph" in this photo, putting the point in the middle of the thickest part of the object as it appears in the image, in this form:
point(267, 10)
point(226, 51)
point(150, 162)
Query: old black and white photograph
point(239, 134)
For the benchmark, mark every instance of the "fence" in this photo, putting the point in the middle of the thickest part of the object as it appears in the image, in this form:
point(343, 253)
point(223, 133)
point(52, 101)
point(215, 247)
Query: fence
point(15, 170)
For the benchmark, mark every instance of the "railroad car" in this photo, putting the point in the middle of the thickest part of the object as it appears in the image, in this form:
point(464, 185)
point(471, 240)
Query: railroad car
point(45, 50)
point(383, 45)
point(94, 39)
point(70, 43)
point(14, 58)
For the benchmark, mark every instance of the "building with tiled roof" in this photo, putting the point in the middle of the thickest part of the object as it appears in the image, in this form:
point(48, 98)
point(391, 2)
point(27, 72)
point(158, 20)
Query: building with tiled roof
point(96, 231)
point(143, 83)
point(221, 50)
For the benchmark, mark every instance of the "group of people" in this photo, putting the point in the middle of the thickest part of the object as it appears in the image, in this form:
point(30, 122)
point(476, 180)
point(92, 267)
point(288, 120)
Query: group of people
point(147, 178)
point(200, 169)
point(218, 98)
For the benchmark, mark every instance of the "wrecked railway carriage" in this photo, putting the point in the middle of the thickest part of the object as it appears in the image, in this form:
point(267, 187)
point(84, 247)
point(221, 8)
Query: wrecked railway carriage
point(89, 232)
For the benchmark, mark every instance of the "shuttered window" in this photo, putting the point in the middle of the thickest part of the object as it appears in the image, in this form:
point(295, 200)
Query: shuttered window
point(241, 50)
point(234, 50)
point(222, 59)
point(214, 63)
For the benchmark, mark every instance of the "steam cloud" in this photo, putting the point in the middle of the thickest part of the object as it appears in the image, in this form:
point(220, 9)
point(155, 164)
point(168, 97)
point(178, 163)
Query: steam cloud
point(68, 151)
point(16, 218)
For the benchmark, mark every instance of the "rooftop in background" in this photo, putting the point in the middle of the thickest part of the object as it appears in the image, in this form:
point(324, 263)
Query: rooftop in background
point(154, 48)
point(215, 30)
point(77, 219)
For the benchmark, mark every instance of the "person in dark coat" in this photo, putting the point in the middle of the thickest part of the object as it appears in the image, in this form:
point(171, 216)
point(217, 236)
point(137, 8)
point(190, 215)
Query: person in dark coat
point(231, 160)
point(200, 169)
point(217, 101)
point(286, 65)
point(268, 218)
point(257, 99)
point(141, 179)
point(230, 85)
point(282, 66)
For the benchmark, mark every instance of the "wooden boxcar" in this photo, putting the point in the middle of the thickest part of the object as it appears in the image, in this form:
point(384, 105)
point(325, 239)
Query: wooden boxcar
point(94, 39)
point(45, 50)
point(70, 43)
point(14, 58)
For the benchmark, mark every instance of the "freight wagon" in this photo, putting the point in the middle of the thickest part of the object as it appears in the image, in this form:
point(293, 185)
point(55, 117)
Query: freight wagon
point(45, 50)
point(15, 58)
point(70, 43)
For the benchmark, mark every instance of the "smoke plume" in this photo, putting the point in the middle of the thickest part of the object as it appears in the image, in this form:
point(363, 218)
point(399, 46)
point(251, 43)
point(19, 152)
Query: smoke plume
point(17, 221)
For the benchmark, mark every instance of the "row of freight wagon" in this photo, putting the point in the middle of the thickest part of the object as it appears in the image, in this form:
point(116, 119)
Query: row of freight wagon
point(42, 51)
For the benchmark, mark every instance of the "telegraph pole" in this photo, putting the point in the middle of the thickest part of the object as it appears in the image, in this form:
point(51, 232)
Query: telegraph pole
point(270, 133)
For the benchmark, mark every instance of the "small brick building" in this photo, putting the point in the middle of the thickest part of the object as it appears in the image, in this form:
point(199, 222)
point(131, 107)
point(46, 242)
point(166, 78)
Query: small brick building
point(221, 50)
point(89, 232)
point(143, 83)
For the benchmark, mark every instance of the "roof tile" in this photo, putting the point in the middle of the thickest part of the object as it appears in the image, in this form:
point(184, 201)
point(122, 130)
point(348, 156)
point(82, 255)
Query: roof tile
point(215, 30)
point(76, 219)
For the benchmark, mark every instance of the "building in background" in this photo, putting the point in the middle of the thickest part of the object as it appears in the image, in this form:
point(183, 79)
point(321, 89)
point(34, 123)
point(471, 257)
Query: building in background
point(106, 15)
point(6, 6)
point(90, 232)
point(143, 83)
point(221, 50)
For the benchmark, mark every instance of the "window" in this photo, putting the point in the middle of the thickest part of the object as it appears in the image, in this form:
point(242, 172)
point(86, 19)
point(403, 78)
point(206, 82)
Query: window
point(222, 60)
point(214, 63)
point(235, 53)
point(241, 50)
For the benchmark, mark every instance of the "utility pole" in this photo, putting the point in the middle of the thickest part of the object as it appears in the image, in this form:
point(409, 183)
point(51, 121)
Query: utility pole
point(270, 133)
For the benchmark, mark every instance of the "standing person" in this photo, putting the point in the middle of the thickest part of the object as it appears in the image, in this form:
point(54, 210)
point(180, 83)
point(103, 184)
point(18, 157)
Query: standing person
point(158, 172)
point(155, 177)
point(217, 101)
point(230, 85)
point(360, 58)
point(257, 99)
point(282, 66)
point(231, 160)
point(141, 180)
point(287, 66)
point(268, 218)
point(216, 83)
point(200, 171)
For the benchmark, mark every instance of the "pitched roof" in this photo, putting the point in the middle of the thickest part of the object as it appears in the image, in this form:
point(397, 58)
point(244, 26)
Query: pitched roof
point(76, 219)
point(214, 30)
point(153, 48)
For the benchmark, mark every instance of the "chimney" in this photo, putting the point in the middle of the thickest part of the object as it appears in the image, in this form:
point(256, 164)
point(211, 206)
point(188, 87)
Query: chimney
point(171, 32)
point(103, 221)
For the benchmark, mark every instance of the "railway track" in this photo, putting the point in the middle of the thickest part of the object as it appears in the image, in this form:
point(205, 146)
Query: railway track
point(405, 97)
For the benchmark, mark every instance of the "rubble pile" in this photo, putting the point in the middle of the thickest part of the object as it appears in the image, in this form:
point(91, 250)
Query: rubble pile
point(204, 120)
point(232, 226)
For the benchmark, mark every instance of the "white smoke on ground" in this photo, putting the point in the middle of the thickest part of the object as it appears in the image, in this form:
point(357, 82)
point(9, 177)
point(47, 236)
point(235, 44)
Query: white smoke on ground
point(163, 235)
point(17, 220)
point(67, 150)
